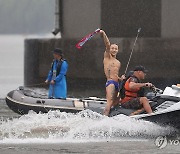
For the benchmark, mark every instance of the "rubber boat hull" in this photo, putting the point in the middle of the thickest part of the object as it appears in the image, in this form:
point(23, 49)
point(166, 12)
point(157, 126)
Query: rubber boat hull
point(21, 103)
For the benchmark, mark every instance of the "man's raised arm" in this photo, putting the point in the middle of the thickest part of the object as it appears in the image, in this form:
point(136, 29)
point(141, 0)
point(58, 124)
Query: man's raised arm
point(106, 42)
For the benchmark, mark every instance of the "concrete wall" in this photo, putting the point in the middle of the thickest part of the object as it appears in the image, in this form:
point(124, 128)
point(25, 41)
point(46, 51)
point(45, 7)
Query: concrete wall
point(38, 59)
point(80, 17)
point(170, 23)
point(122, 18)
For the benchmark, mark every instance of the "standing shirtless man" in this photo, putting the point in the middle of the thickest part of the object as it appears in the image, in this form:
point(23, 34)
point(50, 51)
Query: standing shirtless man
point(111, 70)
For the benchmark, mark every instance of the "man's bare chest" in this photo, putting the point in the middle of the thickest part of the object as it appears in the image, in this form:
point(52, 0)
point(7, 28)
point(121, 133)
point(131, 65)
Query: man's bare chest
point(111, 63)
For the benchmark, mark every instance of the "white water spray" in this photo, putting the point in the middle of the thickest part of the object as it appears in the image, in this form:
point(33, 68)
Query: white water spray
point(85, 126)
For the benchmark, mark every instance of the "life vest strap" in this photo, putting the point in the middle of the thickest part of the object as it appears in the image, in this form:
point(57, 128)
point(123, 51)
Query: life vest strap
point(130, 96)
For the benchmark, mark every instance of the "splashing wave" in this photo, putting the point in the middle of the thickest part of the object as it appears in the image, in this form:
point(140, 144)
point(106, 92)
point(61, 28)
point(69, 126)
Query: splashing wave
point(83, 126)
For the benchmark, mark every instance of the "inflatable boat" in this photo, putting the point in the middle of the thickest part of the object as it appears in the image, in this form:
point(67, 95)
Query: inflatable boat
point(165, 106)
point(23, 100)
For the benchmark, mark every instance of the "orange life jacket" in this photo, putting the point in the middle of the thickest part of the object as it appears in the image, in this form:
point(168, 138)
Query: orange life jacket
point(130, 93)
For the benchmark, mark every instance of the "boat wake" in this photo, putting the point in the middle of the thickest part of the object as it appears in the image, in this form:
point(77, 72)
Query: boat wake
point(86, 126)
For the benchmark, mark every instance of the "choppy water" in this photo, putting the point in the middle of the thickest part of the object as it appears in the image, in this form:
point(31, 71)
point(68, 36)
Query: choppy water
point(84, 132)
point(56, 132)
point(85, 126)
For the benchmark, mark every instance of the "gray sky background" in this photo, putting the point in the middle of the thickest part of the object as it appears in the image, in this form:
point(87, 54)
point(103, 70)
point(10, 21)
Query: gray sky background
point(26, 16)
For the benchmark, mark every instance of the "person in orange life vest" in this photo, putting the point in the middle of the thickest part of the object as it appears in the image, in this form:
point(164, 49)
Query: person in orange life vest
point(132, 87)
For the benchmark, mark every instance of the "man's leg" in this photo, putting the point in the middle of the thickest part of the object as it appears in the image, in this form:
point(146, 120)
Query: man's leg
point(110, 96)
point(144, 101)
point(116, 99)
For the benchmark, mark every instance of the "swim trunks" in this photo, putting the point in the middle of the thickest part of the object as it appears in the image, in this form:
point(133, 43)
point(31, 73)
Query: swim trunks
point(116, 84)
